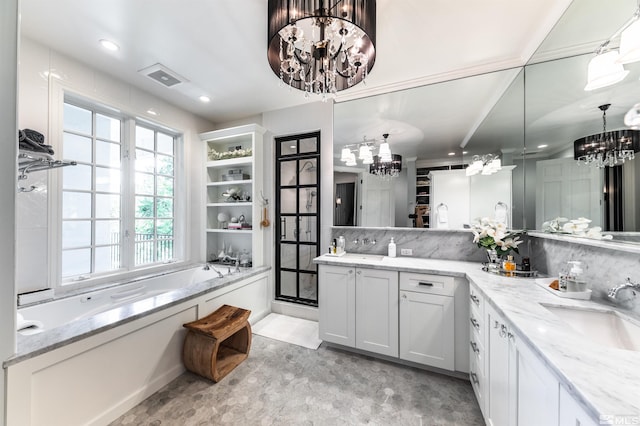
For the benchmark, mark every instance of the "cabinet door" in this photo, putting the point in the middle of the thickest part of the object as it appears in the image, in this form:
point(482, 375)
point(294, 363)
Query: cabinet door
point(377, 311)
point(571, 413)
point(337, 304)
point(497, 370)
point(538, 391)
point(427, 331)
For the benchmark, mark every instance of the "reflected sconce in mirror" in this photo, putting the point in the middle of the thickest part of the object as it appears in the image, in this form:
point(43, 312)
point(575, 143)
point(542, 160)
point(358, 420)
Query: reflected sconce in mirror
point(487, 164)
point(321, 46)
point(609, 148)
point(606, 67)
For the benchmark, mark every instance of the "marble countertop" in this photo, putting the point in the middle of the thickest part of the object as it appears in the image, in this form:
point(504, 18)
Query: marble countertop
point(33, 345)
point(604, 380)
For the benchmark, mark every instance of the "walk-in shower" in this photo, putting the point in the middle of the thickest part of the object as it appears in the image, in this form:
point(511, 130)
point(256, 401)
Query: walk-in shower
point(298, 227)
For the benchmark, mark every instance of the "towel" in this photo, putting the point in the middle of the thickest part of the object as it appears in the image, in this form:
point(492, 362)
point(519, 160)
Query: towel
point(24, 326)
point(501, 213)
point(31, 140)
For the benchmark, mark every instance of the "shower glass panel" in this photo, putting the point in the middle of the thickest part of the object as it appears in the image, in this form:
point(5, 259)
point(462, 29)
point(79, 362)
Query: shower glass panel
point(298, 225)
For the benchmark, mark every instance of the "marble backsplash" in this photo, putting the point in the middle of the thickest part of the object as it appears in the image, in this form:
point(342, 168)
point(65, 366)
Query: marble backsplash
point(604, 267)
point(427, 243)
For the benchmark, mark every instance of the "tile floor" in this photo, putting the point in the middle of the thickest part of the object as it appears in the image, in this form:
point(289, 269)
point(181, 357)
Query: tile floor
point(284, 384)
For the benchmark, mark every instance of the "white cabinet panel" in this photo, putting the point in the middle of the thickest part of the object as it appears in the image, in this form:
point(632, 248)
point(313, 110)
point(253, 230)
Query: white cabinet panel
point(336, 304)
point(571, 413)
point(377, 311)
point(427, 334)
point(538, 391)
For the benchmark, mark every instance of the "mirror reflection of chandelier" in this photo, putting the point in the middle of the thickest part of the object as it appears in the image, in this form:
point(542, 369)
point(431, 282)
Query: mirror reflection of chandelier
point(384, 165)
point(321, 46)
point(609, 148)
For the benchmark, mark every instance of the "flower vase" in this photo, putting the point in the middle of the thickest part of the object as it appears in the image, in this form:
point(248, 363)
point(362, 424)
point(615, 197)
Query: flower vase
point(492, 254)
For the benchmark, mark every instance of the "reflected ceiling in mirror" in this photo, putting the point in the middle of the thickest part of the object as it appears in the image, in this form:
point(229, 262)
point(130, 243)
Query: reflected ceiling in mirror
point(443, 124)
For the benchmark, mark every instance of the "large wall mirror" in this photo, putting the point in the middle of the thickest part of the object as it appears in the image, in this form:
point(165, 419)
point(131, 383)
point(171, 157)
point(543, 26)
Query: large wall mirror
point(528, 117)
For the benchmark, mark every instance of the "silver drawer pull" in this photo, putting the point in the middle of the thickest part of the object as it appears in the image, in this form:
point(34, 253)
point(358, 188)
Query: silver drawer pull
point(426, 284)
point(475, 323)
point(474, 347)
point(474, 378)
point(474, 299)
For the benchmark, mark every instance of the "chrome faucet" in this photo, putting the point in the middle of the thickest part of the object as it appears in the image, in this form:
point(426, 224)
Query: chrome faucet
point(633, 287)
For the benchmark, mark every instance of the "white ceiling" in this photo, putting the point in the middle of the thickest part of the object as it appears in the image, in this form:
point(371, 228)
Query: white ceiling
point(220, 47)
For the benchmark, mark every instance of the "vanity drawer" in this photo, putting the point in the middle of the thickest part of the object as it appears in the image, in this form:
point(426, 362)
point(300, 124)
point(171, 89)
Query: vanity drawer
point(476, 352)
point(427, 283)
point(478, 384)
point(477, 328)
point(476, 300)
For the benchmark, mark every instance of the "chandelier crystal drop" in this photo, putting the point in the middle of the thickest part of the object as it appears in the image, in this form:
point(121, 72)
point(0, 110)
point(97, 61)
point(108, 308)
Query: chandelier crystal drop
point(321, 46)
point(609, 148)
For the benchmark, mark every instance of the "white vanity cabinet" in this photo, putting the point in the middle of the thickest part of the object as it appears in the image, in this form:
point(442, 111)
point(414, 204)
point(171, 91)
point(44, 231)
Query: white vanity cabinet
point(427, 333)
point(477, 346)
point(358, 307)
point(377, 311)
point(512, 385)
point(501, 371)
point(538, 391)
point(337, 304)
point(571, 413)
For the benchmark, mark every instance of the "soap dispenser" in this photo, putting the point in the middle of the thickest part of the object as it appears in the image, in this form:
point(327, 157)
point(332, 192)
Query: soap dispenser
point(392, 248)
point(575, 279)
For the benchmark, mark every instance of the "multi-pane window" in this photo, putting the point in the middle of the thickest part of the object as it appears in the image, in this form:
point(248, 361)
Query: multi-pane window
point(107, 223)
point(154, 183)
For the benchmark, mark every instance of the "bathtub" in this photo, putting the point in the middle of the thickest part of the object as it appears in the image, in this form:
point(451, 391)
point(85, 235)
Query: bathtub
point(55, 313)
point(99, 354)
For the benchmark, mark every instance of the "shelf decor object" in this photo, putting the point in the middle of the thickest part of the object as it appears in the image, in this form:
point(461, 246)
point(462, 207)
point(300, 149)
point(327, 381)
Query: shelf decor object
point(321, 46)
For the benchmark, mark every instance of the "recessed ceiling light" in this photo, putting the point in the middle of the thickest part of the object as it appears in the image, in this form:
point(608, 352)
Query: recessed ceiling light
point(542, 146)
point(452, 153)
point(109, 45)
point(151, 112)
point(204, 99)
point(465, 152)
point(292, 147)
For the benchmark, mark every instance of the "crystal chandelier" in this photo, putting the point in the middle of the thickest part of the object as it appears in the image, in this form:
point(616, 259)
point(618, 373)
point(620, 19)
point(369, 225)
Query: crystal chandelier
point(609, 148)
point(321, 46)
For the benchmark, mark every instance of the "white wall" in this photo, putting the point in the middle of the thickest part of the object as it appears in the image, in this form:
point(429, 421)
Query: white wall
point(8, 138)
point(301, 119)
point(39, 102)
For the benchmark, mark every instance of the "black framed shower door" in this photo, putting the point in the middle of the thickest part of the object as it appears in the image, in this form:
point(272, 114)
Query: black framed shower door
point(297, 207)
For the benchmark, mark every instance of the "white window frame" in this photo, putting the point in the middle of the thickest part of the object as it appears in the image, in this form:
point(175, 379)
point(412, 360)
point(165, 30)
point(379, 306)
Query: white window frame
point(128, 270)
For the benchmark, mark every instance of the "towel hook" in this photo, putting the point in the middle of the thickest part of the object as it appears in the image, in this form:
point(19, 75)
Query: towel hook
point(265, 201)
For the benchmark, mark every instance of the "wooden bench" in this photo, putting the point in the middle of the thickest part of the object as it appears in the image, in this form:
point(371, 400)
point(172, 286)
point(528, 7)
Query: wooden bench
point(217, 343)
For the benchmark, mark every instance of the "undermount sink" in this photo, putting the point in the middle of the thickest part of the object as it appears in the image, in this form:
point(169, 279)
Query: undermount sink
point(373, 257)
point(607, 328)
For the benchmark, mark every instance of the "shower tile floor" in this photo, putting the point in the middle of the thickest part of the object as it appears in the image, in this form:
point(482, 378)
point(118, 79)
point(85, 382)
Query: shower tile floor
point(284, 384)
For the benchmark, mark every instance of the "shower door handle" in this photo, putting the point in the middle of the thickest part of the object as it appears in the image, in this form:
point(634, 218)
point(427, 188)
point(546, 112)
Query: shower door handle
point(283, 228)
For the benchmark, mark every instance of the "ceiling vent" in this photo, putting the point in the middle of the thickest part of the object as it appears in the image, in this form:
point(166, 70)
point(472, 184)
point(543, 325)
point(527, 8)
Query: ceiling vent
point(163, 75)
